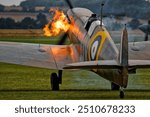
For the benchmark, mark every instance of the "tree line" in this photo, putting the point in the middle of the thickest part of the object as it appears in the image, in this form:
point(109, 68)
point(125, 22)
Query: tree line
point(26, 23)
point(1, 7)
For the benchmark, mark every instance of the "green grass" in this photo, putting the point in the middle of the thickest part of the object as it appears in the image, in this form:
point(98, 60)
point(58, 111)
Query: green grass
point(41, 40)
point(29, 83)
point(22, 83)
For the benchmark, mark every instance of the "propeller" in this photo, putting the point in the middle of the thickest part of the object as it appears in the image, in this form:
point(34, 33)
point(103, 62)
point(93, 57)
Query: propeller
point(63, 38)
point(69, 4)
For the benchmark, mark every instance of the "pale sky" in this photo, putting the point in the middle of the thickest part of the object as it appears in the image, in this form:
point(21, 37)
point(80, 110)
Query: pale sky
point(10, 2)
point(17, 2)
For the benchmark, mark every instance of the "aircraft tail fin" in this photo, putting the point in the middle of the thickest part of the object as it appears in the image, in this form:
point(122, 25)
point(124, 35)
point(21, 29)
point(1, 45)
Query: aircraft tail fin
point(123, 56)
point(123, 53)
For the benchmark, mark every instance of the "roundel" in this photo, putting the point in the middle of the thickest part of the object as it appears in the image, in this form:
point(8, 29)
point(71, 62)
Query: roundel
point(94, 48)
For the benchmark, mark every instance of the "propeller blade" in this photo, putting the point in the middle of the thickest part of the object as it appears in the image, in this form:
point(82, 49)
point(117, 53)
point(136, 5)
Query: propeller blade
point(69, 4)
point(79, 21)
point(63, 39)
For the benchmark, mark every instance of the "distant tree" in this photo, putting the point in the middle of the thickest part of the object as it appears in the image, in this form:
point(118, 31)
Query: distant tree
point(33, 3)
point(41, 20)
point(28, 23)
point(2, 23)
point(46, 3)
point(10, 23)
point(7, 23)
point(1, 7)
point(18, 25)
point(134, 23)
point(137, 9)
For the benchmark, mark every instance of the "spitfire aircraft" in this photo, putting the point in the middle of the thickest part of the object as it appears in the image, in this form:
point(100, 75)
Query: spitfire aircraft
point(92, 49)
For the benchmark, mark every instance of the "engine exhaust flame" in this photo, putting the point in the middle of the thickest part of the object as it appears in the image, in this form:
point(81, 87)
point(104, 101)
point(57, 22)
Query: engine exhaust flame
point(57, 25)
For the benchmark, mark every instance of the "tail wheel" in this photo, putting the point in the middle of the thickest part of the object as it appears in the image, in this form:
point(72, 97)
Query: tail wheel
point(114, 87)
point(122, 94)
point(54, 82)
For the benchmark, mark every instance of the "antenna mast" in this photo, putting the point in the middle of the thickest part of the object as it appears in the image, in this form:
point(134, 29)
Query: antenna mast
point(102, 14)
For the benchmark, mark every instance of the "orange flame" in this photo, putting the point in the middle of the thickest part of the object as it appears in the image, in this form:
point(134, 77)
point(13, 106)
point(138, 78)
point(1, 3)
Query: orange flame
point(58, 24)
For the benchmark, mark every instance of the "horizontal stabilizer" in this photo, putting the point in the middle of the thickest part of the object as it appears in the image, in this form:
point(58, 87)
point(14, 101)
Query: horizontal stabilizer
point(139, 63)
point(101, 64)
point(108, 64)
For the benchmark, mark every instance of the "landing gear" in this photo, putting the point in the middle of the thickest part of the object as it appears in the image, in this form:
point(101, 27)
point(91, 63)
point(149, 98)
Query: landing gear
point(55, 80)
point(115, 87)
point(121, 93)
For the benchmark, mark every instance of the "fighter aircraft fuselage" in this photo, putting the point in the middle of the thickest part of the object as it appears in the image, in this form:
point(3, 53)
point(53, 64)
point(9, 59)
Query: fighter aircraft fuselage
point(96, 45)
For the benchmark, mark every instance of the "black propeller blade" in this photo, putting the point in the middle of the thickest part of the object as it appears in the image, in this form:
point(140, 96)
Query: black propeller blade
point(69, 4)
point(64, 37)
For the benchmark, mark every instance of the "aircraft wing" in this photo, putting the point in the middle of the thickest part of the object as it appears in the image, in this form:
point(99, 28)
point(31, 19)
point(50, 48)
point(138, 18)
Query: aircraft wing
point(139, 50)
point(43, 56)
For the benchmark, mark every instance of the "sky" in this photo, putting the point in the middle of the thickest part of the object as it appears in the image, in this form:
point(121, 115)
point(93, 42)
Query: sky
point(10, 2)
point(16, 2)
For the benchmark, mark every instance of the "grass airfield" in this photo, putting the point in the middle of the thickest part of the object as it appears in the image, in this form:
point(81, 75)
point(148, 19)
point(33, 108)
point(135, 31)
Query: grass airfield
point(29, 83)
